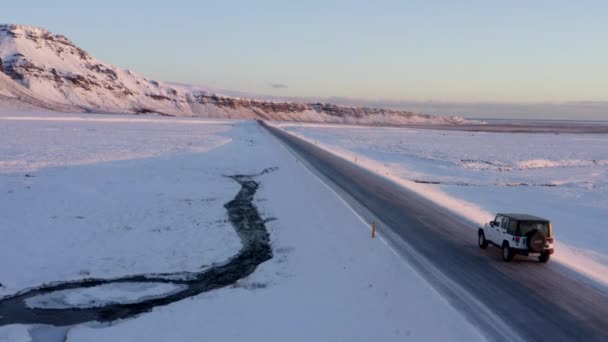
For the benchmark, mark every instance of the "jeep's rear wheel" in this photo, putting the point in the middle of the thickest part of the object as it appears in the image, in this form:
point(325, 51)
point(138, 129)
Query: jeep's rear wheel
point(507, 253)
point(536, 241)
point(544, 257)
point(483, 243)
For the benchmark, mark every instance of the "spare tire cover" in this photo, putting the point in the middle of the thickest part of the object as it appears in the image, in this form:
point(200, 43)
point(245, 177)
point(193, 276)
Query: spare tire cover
point(536, 242)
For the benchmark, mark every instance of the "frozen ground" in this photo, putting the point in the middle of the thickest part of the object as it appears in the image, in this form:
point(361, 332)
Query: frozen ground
point(563, 177)
point(80, 197)
point(108, 196)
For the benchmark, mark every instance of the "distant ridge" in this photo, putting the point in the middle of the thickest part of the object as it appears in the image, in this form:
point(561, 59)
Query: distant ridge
point(44, 70)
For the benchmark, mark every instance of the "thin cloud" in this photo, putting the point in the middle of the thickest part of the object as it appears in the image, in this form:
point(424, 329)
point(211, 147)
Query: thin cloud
point(278, 85)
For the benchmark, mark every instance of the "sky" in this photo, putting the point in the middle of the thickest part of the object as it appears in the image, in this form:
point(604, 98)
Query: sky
point(507, 52)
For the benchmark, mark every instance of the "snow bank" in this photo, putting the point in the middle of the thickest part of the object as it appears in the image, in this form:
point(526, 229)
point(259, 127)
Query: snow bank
point(543, 163)
point(15, 333)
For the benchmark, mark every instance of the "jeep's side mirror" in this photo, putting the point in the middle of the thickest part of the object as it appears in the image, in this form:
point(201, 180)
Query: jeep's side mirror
point(493, 223)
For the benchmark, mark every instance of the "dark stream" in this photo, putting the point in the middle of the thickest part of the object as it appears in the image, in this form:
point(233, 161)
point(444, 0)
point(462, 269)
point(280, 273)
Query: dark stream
point(256, 249)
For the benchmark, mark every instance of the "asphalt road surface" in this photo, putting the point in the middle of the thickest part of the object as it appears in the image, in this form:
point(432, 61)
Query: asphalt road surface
point(521, 300)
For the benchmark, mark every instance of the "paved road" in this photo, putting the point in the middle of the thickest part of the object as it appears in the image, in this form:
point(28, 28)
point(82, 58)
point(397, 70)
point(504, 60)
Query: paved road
point(508, 301)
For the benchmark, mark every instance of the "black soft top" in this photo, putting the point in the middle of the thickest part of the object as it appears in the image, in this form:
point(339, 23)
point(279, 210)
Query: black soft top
point(523, 217)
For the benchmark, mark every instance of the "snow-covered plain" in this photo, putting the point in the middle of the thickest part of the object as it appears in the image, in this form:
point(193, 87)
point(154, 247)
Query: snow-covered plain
point(71, 186)
point(563, 177)
point(106, 196)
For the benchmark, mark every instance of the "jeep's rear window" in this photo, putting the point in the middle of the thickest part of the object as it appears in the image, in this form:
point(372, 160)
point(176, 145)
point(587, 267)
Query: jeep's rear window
point(527, 226)
point(512, 227)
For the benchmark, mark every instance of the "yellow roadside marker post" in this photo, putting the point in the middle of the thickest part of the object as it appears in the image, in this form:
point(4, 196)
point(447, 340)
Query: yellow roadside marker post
point(373, 230)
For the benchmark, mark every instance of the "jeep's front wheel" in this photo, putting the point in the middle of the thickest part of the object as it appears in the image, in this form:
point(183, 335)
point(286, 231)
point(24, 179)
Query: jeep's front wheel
point(544, 257)
point(507, 253)
point(483, 243)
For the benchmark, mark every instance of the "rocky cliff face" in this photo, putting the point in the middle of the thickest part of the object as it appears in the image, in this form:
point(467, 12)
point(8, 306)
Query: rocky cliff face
point(57, 72)
point(56, 69)
point(295, 107)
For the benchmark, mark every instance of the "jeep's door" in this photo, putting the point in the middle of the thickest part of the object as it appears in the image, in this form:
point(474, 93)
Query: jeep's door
point(502, 231)
point(494, 230)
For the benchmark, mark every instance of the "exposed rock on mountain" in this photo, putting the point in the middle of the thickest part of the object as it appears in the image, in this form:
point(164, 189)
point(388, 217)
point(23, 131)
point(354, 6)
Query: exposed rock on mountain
point(49, 71)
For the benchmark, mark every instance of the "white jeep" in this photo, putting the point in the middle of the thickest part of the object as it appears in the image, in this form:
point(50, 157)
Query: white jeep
point(518, 234)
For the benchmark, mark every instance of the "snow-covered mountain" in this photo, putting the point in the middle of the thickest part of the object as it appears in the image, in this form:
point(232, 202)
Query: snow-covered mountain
point(40, 69)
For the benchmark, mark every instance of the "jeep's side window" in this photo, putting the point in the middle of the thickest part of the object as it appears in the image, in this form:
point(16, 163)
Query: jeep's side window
point(505, 222)
point(512, 230)
point(498, 220)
